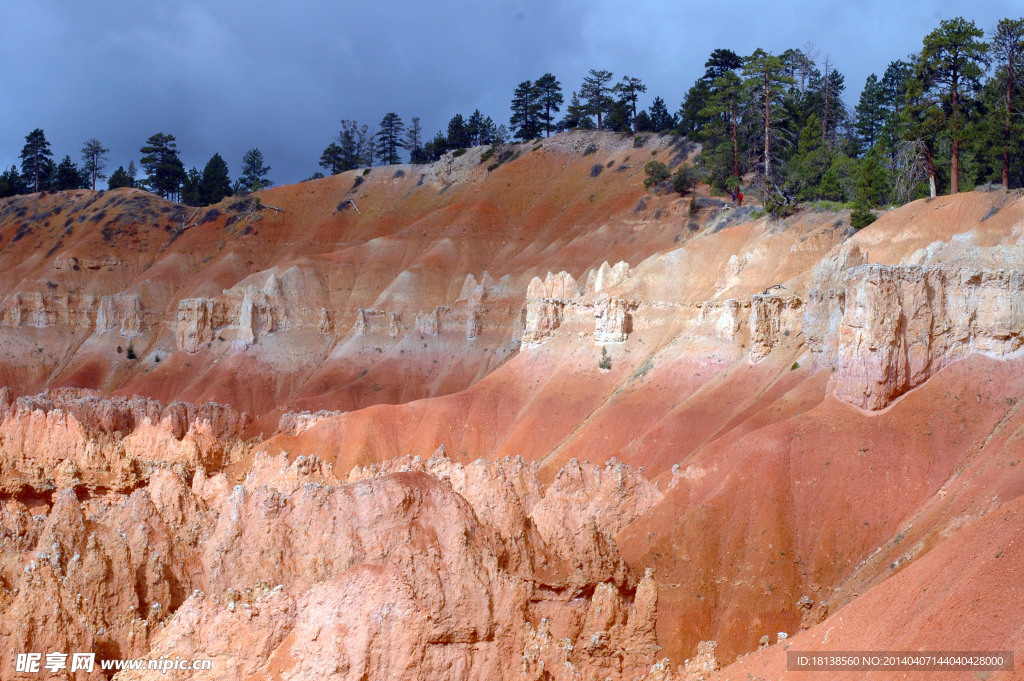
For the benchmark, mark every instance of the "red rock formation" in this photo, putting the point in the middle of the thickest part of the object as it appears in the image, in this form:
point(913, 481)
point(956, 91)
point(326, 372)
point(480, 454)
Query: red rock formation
point(816, 427)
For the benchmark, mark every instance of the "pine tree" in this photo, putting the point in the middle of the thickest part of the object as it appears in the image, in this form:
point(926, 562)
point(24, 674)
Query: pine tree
point(723, 112)
point(872, 189)
point(94, 160)
point(191, 188)
point(825, 92)
point(720, 62)
point(549, 97)
point(389, 139)
point(691, 120)
point(873, 180)
point(343, 154)
point(11, 183)
point(894, 85)
point(839, 181)
point(871, 113)
point(414, 141)
point(922, 124)
point(254, 173)
point(629, 90)
point(950, 67)
point(801, 65)
point(458, 137)
point(215, 183)
point(807, 167)
point(164, 170)
point(620, 117)
point(68, 176)
point(499, 135)
point(526, 108)
point(861, 216)
point(766, 80)
point(331, 159)
point(576, 116)
point(1008, 50)
point(661, 119)
point(50, 173)
point(119, 178)
point(35, 169)
point(487, 131)
point(595, 91)
point(475, 128)
point(435, 148)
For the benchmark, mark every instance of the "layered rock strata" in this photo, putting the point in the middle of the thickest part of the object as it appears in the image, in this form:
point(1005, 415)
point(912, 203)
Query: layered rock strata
point(420, 569)
point(71, 439)
point(903, 324)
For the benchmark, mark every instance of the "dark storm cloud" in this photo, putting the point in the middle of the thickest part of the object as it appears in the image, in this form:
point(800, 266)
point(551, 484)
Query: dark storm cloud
point(229, 75)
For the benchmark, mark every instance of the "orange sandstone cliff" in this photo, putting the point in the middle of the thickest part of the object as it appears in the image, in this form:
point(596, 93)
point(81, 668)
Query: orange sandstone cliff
point(360, 427)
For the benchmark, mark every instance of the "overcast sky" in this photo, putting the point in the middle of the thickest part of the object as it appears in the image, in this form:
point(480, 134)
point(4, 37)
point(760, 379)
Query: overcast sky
point(226, 75)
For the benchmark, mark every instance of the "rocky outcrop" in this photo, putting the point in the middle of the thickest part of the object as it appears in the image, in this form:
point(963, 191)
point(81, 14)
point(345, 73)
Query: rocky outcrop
point(378, 322)
point(475, 292)
point(42, 309)
point(724, 319)
point(545, 301)
point(121, 311)
point(903, 324)
point(297, 422)
point(428, 572)
point(429, 323)
point(71, 262)
point(543, 316)
point(326, 323)
point(826, 301)
point(886, 329)
point(69, 438)
point(474, 324)
point(609, 276)
point(613, 319)
point(773, 317)
point(198, 321)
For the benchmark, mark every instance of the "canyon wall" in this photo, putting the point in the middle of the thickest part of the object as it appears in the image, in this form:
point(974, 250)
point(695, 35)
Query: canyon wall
point(416, 569)
point(715, 352)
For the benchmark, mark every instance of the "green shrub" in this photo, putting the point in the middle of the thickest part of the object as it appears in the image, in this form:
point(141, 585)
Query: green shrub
point(606, 361)
point(776, 204)
point(458, 152)
point(131, 352)
point(861, 216)
point(685, 179)
point(596, 170)
point(657, 172)
point(487, 154)
point(590, 150)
